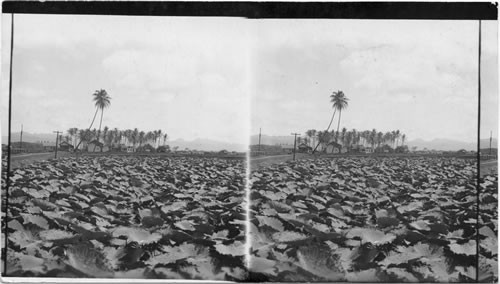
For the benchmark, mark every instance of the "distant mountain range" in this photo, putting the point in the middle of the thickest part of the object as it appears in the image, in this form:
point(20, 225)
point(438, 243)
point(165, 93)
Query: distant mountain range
point(197, 144)
point(435, 144)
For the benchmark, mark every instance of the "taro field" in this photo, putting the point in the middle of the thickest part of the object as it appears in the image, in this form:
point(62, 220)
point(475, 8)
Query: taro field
point(372, 220)
point(127, 217)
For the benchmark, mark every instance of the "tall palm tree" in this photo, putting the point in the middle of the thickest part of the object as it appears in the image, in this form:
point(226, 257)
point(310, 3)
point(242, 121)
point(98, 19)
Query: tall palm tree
point(339, 102)
point(102, 100)
point(164, 138)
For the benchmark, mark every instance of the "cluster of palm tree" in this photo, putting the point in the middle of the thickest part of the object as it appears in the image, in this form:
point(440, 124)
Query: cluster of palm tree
point(114, 137)
point(339, 102)
point(348, 138)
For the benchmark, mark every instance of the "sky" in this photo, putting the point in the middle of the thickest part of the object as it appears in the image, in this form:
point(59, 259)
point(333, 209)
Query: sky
point(224, 78)
point(185, 76)
point(416, 76)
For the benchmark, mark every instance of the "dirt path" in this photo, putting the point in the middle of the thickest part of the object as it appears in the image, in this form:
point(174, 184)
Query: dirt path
point(18, 161)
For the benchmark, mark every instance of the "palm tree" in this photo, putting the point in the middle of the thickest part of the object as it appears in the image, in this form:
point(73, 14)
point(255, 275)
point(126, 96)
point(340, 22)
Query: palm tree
point(142, 135)
point(403, 139)
point(135, 136)
point(344, 130)
point(164, 138)
point(102, 101)
point(339, 102)
point(397, 137)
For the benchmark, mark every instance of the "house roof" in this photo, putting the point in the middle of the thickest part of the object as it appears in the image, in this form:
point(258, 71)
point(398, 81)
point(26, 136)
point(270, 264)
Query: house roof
point(334, 144)
point(96, 142)
point(303, 145)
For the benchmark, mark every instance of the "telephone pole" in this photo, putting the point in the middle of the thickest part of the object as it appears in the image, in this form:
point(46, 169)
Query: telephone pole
point(260, 130)
point(294, 143)
point(57, 141)
point(491, 135)
point(21, 139)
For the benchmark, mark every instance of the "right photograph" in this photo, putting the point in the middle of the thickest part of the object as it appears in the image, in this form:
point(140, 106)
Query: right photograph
point(373, 151)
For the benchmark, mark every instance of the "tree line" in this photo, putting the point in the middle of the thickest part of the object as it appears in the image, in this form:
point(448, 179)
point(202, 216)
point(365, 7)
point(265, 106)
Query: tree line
point(115, 136)
point(348, 138)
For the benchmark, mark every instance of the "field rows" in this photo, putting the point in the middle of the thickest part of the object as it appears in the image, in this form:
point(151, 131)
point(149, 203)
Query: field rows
point(347, 219)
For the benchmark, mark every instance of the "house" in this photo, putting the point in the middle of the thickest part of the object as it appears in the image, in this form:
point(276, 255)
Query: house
point(357, 149)
point(303, 148)
point(384, 149)
point(369, 150)
point(96, 146)
point(146, 148)
point(333, 148)
point(65, 146)
point(287, 149)
point(130, 149)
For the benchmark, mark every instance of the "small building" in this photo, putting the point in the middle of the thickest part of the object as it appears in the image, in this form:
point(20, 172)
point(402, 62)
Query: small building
point(303, 148)
point(288, 149)
point(384, 149)
point(369, 150)
point(357, 149)
point(65, 146)
point(130, 149)
point(146, 148)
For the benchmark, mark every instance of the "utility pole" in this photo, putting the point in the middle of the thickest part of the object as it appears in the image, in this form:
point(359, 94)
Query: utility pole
point(491, 136)
point(21, 139)
point(260, 131)
point(294, 143)
point(57, 141)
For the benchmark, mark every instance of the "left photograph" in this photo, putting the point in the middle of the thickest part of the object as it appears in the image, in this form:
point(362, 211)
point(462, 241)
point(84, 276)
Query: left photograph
point(114, 161)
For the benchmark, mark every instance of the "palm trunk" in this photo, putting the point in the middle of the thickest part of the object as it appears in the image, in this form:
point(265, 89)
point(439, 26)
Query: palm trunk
point(338, 124)
point(99, 132)
point(95, 114)
point(331, 120)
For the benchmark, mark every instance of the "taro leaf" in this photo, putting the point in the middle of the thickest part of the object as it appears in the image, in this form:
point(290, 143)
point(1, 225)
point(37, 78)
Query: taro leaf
point(237, 273)
point(220, 235)
point(34, 219)
point(468, 248)
point(318, 260)
point(384, 222)
point(490, 245)
point(137, 273)
point(402, 275)
point(271, 222)
point(152, 221)
point(28, 262)
point(15, 225)
point(235, 249)
point(51, 235)
point(89, 261)
point(172, 254)
point(420, 225)
point(470, 271)
point(487, 232)
point(185, 225)
point(369, 275)
point(373, 236)
point(136, 234)
point(288, 236)
point(168, 273)
point(263, 265)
